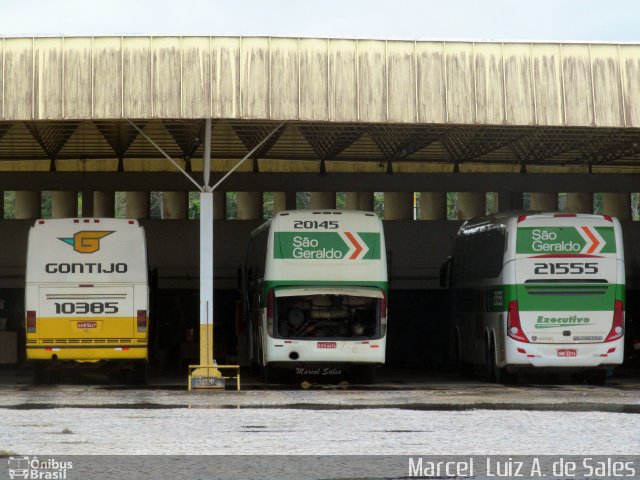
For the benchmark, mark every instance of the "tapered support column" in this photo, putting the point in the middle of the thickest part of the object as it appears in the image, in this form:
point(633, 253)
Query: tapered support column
point(580, 202)
point(509, 201)
point(433, 206)
point(64, 204)
point(27, 205)
point(617, 205)
point(103, 204)
point(219, 205)
point(87, 204)
point(137, 204)
point(322, 200)
point(359, 201)
point(174, 205)
point(249, 205)
point(543, 202)
point(279, 202)
point(398, 205)
point(471, 204)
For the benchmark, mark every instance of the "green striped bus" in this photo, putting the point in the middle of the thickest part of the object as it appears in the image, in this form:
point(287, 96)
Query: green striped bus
point(538, 291)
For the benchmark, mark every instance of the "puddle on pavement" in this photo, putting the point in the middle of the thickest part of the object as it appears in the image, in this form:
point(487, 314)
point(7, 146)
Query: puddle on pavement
point(435, 407)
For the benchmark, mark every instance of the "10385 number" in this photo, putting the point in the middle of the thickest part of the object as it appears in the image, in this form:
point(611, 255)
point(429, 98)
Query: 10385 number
point(83, 308)
point(573, 268)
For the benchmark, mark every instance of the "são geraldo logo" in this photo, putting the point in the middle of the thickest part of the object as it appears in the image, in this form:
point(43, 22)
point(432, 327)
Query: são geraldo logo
point(86, 241)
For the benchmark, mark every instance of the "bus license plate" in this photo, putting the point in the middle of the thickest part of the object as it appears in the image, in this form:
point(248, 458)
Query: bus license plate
point(568, 352)
point(326, 345)
point(85, 325)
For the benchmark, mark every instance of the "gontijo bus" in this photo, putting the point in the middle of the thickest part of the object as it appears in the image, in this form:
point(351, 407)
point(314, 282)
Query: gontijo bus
point(315, 288)
point(539, 290)
point(87, 295)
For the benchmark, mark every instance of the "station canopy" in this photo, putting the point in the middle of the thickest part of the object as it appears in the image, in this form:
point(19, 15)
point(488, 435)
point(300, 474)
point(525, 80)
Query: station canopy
point(340, 105)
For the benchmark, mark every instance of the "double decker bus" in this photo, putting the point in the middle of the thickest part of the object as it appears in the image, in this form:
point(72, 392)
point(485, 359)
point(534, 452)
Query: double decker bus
point(315, 293)
point(534, 291)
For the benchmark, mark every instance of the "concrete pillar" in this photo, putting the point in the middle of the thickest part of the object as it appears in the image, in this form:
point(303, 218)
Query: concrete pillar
point(219, 205)
point(617, 205)
point(359, 201)
point(543, 202)
point(279, 202)
point(509, 201)
point(249, 205)
point(103, 204)
point(27, 205)
point(87, 204)
point(471, 204)
point(137, 204)
point(580, 202)
point(174, 205)
point(322, 200)
point(433, 206)
point(398, 205)
point(64, 204)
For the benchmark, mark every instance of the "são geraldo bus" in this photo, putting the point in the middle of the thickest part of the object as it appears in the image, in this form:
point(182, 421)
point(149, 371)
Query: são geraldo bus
point(538, 291)
point(315, 290)
point(87, 295)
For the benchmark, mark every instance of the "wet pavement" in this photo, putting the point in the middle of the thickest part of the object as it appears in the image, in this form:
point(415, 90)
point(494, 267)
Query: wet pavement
point(416, 414)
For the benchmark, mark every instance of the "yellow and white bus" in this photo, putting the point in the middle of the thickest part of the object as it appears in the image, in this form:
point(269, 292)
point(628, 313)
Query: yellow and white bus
point(538, 291)
point(87, 294)
point(315, 293)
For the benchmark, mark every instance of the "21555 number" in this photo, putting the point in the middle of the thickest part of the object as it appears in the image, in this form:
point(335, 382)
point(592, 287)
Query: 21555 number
point(573, 268)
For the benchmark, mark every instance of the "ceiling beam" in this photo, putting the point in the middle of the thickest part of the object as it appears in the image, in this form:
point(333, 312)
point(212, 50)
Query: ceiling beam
point(337, 182)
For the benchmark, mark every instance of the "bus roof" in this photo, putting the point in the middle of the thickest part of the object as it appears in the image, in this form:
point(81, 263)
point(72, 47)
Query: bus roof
point(503, 218)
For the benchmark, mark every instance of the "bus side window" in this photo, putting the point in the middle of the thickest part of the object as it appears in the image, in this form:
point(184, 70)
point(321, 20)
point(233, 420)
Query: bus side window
point(484, 253)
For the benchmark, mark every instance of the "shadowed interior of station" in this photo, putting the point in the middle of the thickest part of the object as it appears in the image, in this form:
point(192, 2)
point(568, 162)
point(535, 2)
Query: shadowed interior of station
point(349, 116)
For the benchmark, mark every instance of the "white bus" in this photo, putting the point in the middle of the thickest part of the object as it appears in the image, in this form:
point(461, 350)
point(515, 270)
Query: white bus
point(315, 293)
point(538, 291)
point(87, 295)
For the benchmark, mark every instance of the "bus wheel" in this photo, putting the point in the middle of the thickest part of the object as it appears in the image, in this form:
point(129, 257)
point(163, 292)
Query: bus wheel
point(597, 377)
point(490, 363)
point(273, 375)
point(366, 374)
point(39, 374)
point(505, 376)
point(139, 373)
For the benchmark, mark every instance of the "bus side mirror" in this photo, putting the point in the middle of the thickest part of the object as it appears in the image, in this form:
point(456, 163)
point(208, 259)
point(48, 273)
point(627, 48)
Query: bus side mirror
point(445, 273)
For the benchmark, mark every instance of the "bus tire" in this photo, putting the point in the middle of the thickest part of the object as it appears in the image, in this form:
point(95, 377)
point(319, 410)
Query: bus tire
point(139, 374)
point(39, 374)
point(366, 374)
point(273, 375)
point(506, 377)
point(490, 362)
point(597, 376)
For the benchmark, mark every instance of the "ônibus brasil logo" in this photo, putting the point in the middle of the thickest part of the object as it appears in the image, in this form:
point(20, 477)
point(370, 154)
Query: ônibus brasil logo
point(578, 240)
point(27, 467)
point(327, 245)
point(86, 241)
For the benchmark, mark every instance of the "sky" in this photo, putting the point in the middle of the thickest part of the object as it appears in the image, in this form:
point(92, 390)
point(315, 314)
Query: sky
point(516, 20)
